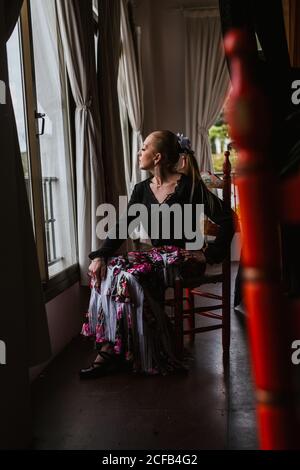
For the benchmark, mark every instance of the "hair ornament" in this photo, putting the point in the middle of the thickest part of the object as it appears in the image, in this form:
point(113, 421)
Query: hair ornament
point(185, 143)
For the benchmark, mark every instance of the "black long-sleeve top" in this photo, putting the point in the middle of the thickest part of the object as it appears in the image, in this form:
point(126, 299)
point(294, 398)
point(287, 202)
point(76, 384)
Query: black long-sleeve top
point(214, 208)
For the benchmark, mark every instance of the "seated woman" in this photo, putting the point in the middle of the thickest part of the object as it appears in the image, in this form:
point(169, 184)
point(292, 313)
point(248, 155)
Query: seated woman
point(126, 313)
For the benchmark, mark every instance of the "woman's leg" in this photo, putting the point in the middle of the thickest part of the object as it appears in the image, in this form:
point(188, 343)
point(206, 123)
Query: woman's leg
point(107, 361)
point(106, 347)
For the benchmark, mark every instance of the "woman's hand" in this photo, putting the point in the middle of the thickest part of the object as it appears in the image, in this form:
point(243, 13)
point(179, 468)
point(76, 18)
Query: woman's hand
point(200, 256)
point(97, 269)
point(195, 254)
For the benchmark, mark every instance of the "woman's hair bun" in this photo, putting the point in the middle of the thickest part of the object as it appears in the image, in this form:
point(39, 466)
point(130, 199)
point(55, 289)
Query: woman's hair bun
point(184, 144)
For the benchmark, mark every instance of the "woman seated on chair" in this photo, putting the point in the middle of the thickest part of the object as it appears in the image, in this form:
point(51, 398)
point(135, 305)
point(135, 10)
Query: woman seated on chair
point(126, 314)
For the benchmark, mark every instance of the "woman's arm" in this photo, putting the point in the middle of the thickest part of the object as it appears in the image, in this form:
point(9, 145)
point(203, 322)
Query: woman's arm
point(224, 217)
point(110, 245)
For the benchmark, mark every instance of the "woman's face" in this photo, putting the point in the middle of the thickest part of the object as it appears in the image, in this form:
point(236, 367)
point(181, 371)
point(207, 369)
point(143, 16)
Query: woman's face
point(181, 166)
point(148, 156)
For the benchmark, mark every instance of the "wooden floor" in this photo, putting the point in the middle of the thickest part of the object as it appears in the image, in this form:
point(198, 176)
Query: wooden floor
point(205, 409)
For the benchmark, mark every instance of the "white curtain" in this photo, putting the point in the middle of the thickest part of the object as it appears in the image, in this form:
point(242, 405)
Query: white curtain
point(131, 102)
point(206, 79)
point(76, 28)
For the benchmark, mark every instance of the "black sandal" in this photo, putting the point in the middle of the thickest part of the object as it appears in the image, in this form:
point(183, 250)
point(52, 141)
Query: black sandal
point(98, 369)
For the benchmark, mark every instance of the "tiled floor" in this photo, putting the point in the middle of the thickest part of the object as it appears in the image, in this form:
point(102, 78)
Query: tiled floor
point(201, 410)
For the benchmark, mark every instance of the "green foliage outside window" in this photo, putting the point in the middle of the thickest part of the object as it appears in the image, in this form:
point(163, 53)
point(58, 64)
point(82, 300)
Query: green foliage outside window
point(220, 132)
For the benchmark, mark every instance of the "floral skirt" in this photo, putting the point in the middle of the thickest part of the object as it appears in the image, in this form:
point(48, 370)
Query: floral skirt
point(128, 308)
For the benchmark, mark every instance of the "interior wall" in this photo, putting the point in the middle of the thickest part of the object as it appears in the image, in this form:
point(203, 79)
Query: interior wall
point(163, 61)
point(65, 315)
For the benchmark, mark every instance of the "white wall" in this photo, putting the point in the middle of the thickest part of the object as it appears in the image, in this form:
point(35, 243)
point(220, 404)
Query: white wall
point(162, 51)
point(65, 316)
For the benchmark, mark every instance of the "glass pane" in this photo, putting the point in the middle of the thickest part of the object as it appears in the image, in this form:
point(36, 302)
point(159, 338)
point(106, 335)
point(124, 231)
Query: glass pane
point(16, 84)
point(54, 142)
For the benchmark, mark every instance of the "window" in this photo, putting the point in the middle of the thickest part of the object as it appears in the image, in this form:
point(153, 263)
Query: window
point(15, 70)
point(219, 140)
point(37, 76)
point(51, 95)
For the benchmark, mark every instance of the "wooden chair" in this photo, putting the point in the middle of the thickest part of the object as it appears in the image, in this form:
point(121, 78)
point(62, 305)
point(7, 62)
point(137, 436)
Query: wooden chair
point(266, 204)
point(192, 290)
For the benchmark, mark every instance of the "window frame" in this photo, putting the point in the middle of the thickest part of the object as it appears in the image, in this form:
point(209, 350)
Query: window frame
point(58, 283)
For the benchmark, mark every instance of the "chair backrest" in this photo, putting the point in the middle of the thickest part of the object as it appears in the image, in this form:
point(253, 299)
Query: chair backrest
point(269, 314)
point(214, 182)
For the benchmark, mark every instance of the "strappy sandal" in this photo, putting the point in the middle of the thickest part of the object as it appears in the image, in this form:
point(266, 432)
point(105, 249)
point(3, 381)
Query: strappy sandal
point(110, 364)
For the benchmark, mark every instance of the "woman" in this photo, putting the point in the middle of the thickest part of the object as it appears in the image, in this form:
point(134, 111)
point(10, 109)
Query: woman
point(123, 323)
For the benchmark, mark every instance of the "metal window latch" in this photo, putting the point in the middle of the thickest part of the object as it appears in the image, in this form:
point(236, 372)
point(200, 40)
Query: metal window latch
point(42, 117)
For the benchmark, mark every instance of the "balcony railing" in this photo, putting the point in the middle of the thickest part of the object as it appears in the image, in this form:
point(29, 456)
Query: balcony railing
point(48, 182)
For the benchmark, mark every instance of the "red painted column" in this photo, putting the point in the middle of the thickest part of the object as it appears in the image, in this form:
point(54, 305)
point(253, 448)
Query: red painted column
point(267, 313)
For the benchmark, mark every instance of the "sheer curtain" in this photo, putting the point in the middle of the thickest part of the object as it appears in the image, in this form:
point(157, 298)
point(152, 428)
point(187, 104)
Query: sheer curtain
point(76, 28)
point(206, 79)
point(131, 101)
point(23, 321)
